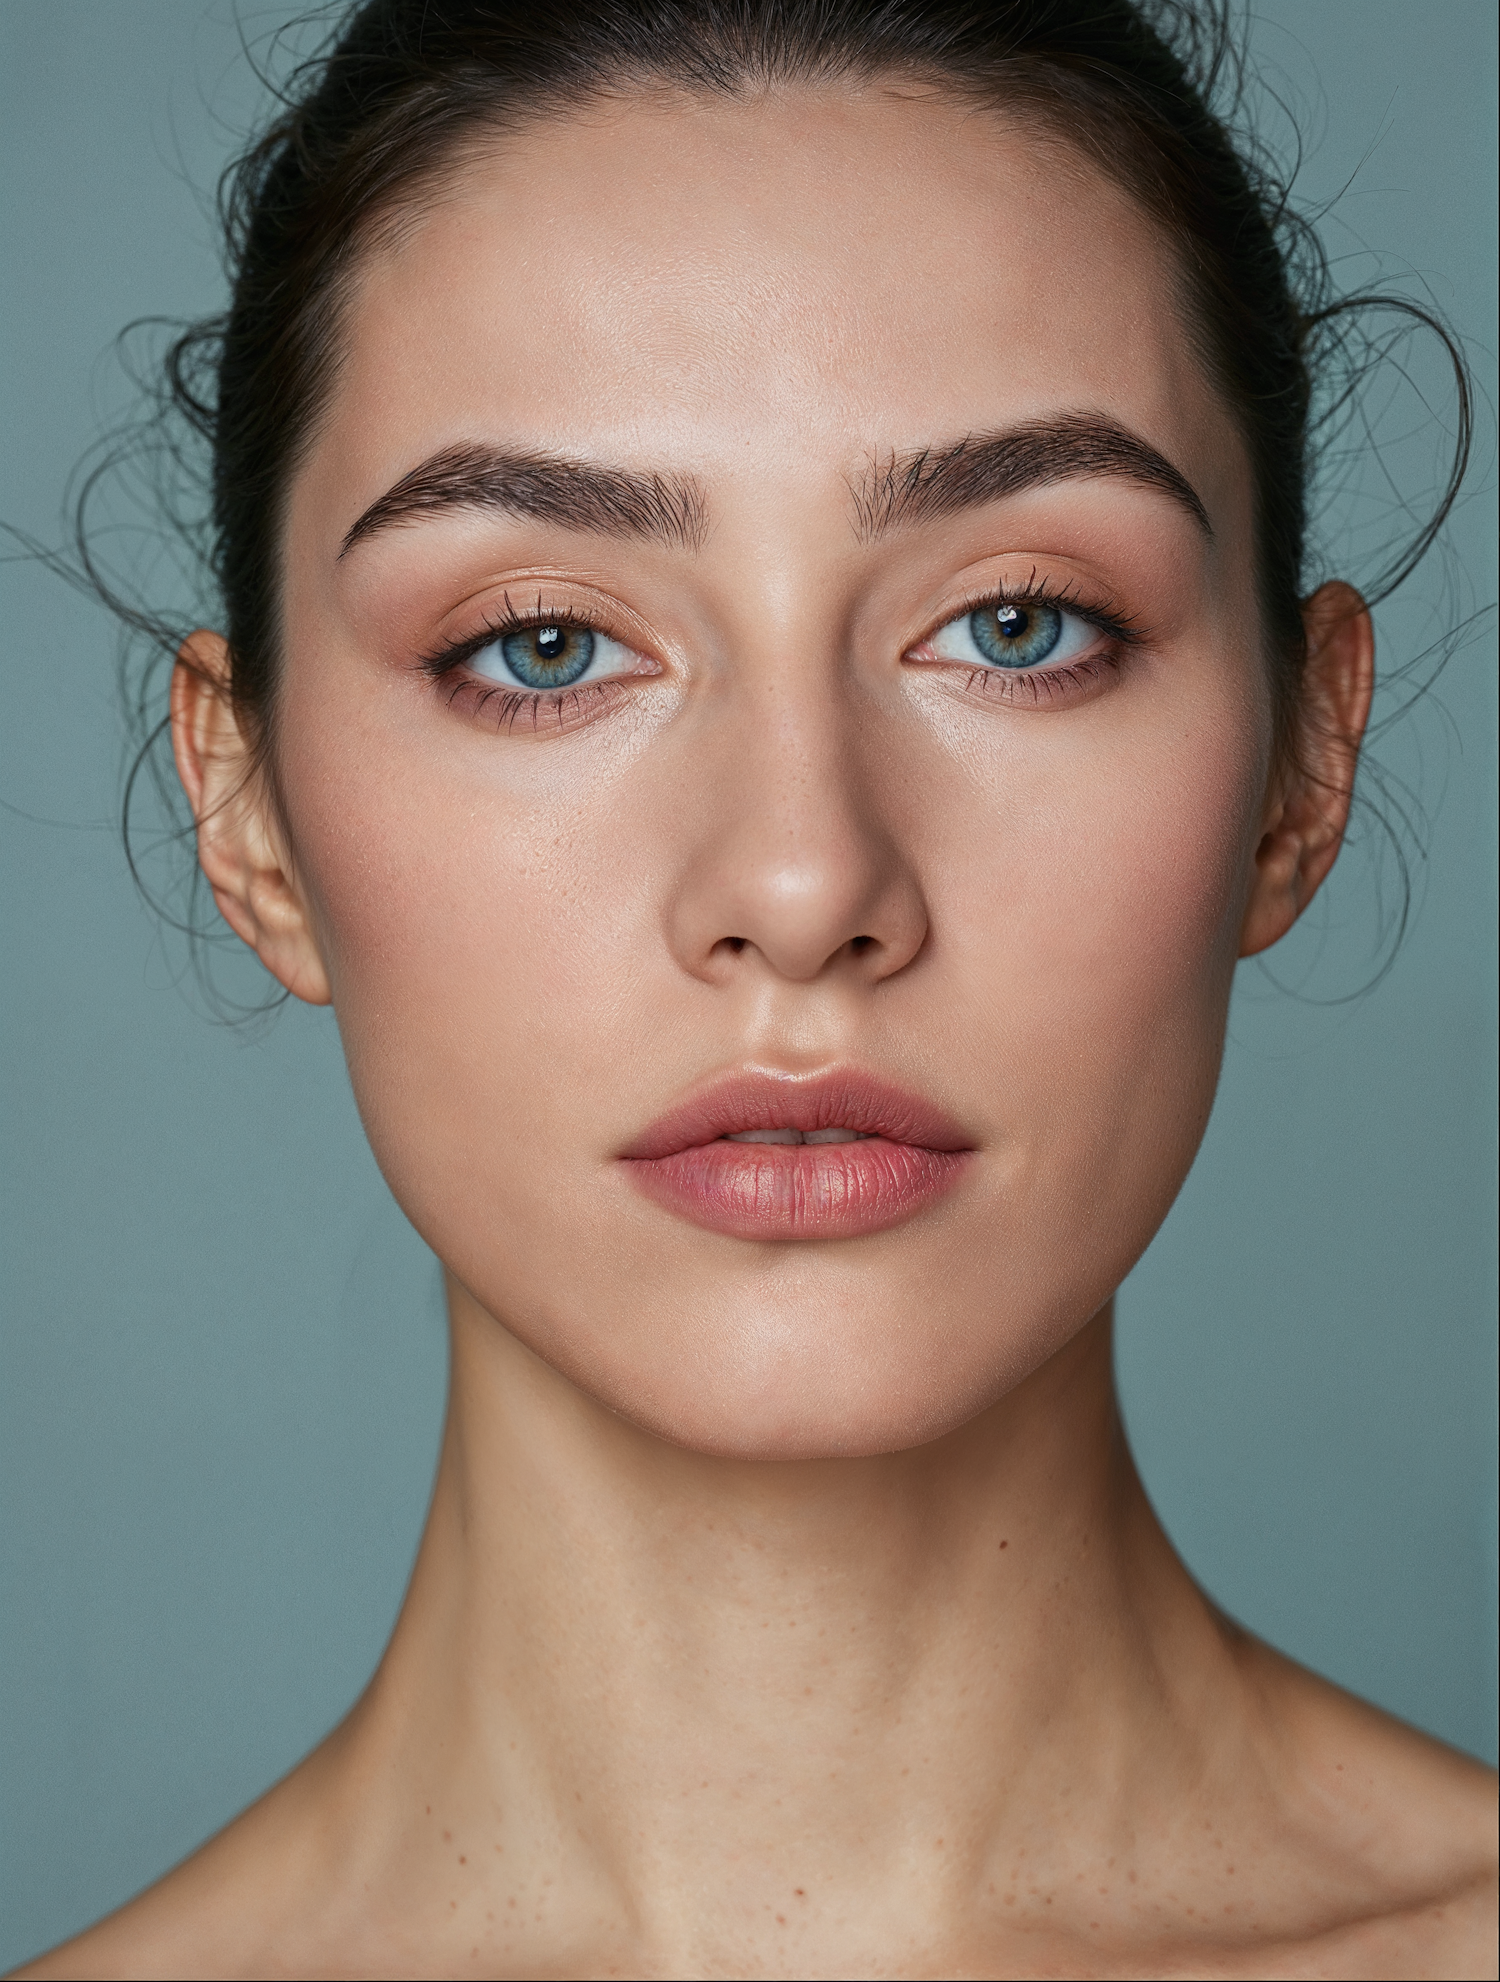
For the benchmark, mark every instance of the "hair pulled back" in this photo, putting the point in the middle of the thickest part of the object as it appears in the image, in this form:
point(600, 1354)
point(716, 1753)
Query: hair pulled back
point(371, 124)
point(383, 112)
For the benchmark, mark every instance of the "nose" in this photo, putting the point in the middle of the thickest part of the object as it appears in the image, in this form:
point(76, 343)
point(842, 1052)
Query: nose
point(793, 857)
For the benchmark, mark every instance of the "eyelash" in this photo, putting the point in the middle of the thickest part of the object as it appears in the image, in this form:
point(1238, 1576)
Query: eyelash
point(507, 706)
point(1034, 685)
point(511, 705)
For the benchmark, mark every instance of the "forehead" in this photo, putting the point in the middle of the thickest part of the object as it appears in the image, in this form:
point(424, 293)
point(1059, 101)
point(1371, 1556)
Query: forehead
point(779, 284)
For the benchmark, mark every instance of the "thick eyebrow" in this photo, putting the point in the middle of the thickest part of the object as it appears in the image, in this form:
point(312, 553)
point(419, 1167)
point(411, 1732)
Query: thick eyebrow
point(986, 468)
point(579, 495)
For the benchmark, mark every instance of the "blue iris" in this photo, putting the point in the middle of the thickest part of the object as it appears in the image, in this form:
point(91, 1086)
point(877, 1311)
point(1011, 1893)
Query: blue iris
point(548, 656)
point(1016, 636)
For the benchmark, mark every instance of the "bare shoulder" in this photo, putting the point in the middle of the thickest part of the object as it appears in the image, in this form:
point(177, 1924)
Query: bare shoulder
point(1405, 1826)
point(232, 1909)
point(1375, 1857)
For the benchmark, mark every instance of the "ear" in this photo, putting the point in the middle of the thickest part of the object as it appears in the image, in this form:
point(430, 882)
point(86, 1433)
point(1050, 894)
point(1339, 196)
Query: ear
point(242, 847)
point(1308, 804)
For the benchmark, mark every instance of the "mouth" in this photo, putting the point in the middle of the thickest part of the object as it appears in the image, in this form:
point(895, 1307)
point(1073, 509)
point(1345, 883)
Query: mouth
point(780, 1157)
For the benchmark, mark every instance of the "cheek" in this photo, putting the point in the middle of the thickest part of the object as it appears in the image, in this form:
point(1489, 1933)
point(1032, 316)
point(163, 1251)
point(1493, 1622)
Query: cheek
point(1131, 880)
point(1098, 950)
point(480, 938)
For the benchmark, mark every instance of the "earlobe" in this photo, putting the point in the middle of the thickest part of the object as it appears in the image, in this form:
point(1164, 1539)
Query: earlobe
point(241, 844)
point(1308, 807)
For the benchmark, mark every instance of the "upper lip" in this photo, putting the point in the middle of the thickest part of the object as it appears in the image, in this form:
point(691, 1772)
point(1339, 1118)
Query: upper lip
point(758, 1098)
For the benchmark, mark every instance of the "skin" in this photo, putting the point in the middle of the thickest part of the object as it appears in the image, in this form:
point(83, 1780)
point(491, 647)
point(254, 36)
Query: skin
point(794, 1609)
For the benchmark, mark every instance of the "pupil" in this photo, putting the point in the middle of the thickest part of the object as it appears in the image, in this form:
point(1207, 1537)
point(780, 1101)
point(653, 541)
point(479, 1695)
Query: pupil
point(1011, 622)
point(550, 641)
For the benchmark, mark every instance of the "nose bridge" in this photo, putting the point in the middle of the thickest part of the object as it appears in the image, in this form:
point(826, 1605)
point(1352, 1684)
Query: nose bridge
point(793, 855)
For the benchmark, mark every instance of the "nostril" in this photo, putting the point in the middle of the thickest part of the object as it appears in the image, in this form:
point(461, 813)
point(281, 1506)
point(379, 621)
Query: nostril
point(736, 943)
point(859, 944)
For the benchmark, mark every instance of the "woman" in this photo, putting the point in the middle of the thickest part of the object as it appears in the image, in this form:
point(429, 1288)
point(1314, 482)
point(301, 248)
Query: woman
point(764, 675)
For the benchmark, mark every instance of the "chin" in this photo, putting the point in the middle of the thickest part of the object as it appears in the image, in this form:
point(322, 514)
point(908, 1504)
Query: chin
point(802, 1380)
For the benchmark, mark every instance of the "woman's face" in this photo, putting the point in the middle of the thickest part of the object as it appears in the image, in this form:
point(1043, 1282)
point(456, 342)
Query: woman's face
point(907, 791)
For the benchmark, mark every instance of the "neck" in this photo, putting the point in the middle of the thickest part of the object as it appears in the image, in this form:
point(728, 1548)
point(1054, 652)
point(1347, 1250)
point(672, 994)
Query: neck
point(661, 1671)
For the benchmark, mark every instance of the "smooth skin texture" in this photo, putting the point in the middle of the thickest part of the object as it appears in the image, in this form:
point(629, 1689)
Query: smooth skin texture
point(793, 1609)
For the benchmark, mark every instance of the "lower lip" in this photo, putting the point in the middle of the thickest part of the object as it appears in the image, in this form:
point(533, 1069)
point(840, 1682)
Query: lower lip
point(769, 1191)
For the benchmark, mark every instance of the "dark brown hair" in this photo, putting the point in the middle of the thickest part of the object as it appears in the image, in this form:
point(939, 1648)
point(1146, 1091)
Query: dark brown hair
point(403, 85)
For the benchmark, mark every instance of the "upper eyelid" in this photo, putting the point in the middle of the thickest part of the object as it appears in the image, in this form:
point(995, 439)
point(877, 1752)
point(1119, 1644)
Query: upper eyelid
point(1108, 621)
point(453, 653)
point(1116, 625)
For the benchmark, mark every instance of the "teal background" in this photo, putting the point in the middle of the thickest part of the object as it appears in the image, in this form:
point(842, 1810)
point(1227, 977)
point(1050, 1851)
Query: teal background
point(223, 1356)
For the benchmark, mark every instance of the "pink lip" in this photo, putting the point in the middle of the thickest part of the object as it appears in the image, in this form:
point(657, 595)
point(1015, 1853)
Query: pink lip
point(779, 1191)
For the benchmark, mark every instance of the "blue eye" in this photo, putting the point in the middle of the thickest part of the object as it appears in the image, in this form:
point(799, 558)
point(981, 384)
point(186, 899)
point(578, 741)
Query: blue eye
point(1016, 636)
point(551, 656)
point(1026, 634)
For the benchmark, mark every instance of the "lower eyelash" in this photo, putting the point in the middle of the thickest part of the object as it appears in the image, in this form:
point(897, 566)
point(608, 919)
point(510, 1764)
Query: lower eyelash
point(1040, 685)
point(506, 707)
